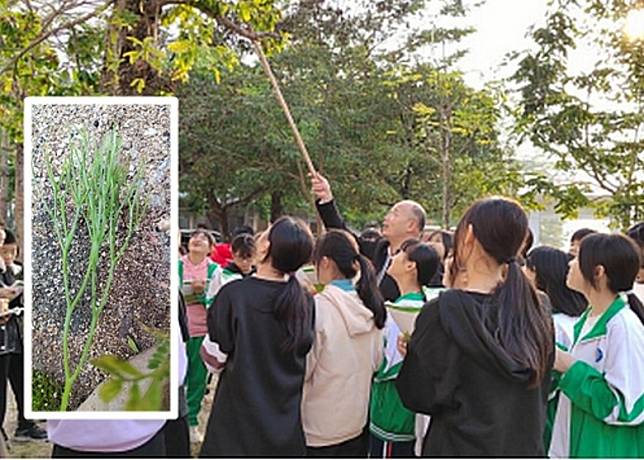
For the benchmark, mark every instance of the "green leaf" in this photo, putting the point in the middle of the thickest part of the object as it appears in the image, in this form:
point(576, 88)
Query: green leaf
point(134, 401)
point(180, 46)
point(244, 12)
point(132, 345)
point(110, 389)
point(117, 366)
point(154, 395)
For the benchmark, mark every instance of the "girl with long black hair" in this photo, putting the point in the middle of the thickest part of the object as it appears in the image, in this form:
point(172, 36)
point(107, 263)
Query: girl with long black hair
point(601, 408)
point(264, 328)
point(480, 356)
point(349, 319)
point(547, 268)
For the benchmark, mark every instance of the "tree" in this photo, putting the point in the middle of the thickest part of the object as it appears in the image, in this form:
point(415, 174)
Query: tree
point(590, 120)
point(368, 118)
point(140, 55)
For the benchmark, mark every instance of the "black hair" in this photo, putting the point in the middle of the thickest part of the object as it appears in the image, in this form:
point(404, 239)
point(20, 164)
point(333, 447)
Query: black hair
point(621, 259)
point(202, 231)
point(525, 327)
point(581, 233)
point(291, 245)
point(370, 233)
point(369, 239)
point(9, 238)
point(425, 257)
point(340, 247)
point(551, 268)
point(242, 229)
point(636, 233)
point(243, 245)
point(447, 238)
point(527, 243)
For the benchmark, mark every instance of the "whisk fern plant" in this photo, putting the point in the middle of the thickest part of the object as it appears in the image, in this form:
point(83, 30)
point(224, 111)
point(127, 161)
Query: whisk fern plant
point(92, 189)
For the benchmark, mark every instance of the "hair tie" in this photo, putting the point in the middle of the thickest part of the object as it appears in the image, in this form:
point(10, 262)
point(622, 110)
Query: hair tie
point(356, 257)
point(511, 260)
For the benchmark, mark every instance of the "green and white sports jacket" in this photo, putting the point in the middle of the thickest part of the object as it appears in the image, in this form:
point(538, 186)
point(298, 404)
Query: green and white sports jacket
point(221, 277)
point(601, 406)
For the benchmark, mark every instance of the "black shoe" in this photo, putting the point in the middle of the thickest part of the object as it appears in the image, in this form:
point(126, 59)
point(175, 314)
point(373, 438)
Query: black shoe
point(30, 433)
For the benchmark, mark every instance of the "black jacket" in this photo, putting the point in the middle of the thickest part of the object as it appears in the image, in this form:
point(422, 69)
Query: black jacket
point(332, 219)
point(11, 332)
point(478, 397)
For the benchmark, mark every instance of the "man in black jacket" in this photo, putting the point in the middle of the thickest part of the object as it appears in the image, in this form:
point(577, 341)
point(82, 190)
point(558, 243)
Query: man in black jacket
point(405, 220)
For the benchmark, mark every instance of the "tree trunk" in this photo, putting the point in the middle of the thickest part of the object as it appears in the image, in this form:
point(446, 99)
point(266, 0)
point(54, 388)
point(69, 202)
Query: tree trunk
point(19, 198)
point(277, 208)
point(118, 74)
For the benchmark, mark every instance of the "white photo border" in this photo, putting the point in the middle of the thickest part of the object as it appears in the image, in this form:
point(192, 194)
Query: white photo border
point(173, 103)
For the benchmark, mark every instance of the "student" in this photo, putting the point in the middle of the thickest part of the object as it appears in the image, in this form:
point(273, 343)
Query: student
point(601, 407)
point(636, 232)
point(195, 272)
point(547, 268)
point(346, 352)
point(576, 238)
point(443, 242)
point(391, 424)
point(243, 252)
point(406, 219)
point(480, 356)
point(264, 327)
point(11, 345)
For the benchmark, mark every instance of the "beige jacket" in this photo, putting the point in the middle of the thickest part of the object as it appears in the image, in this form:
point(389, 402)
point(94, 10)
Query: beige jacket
point(348, 349)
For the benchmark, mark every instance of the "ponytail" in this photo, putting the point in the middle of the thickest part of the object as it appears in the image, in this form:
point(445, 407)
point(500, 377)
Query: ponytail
point(339, 246)
point(369, 292)
point(293, 308)
point(636, 306)
point(525, 329)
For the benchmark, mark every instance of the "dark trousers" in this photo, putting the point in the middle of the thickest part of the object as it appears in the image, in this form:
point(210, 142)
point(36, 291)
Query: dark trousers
point(154, 448)
point(353, 448)
point(386, 449)
point(177, 438)
point(11, 369)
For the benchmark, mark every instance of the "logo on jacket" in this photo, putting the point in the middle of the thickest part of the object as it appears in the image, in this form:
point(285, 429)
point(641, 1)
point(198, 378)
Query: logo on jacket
point(599, 354)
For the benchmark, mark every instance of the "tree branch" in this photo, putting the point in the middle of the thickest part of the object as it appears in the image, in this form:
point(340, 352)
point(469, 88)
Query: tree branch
point(45, 35)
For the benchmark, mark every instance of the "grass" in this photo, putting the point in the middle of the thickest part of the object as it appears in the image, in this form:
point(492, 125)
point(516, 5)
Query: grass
point(92, 189)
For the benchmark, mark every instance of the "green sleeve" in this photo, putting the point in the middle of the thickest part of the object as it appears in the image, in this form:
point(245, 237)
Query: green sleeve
point(587, 388)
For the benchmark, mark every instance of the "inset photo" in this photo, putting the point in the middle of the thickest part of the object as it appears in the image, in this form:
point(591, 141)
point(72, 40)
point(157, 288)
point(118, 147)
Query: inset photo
point(99, 250)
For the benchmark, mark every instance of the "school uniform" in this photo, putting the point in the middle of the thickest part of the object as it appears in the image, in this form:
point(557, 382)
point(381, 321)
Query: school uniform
point(564, 333)
point(601, 406)
point(391, 423)
point(196, 309)
point(257, 405)
point(346, 352)
point(479, 398)
point(222, 276)
point(380, 255)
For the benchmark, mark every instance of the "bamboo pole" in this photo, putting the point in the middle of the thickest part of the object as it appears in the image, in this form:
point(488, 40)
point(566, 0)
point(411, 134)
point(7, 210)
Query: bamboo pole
point(280, 98)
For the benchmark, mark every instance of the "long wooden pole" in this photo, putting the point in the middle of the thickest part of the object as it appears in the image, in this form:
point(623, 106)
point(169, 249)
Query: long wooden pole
point(285, 108)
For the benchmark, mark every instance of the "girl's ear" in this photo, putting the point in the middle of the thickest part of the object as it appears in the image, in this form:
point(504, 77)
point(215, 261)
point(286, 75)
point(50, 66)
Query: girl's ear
point(469, 236)
point(599, 272)
point(410, 266)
